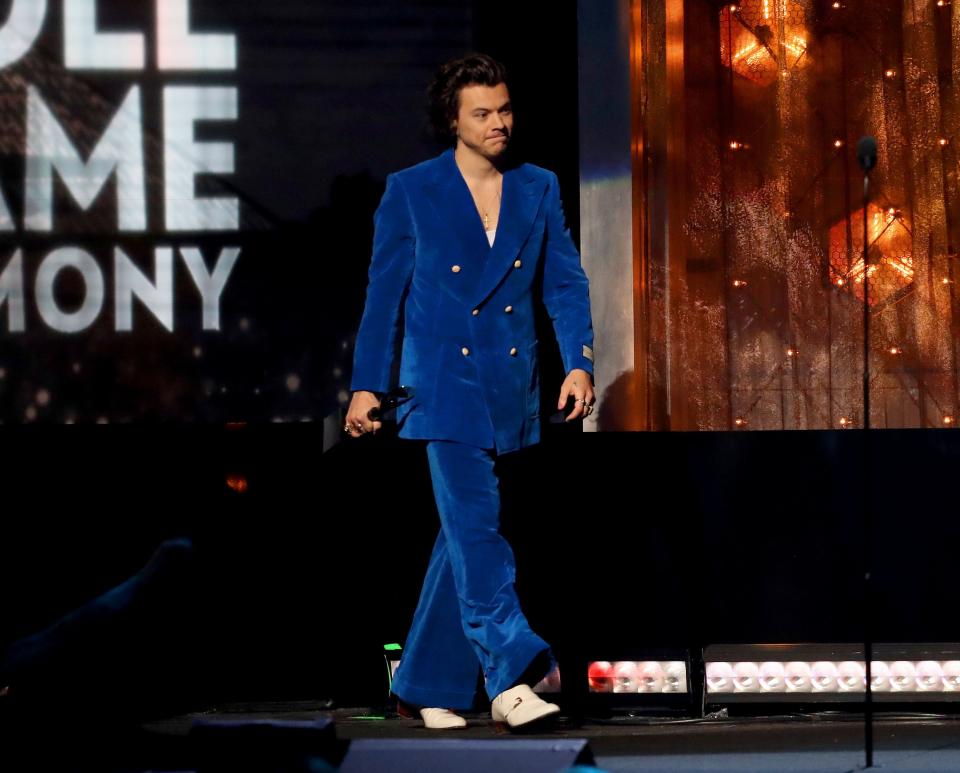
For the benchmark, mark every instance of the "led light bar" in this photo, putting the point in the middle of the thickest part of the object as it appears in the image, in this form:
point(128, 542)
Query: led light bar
point(811, 672)
point(637, 676)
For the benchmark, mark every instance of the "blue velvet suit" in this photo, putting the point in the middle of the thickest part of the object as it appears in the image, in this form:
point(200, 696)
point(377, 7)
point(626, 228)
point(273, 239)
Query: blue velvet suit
point(469, 350)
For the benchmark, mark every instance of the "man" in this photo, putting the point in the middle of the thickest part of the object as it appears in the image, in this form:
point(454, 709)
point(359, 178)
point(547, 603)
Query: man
point(461, 242)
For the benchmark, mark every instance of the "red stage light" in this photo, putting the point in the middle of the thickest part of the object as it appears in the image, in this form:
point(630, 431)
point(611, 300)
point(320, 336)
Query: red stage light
point(600, 676)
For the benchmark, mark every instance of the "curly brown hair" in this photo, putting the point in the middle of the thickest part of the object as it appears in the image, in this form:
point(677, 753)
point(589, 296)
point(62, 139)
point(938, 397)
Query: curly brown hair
point(443, 94)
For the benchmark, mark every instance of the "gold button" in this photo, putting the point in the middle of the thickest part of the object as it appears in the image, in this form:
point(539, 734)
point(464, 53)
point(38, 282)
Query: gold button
point(513, 351)
point(516, 263)
point(465, 351)
point(455, 269)
point(509, 309)
point(476, 311)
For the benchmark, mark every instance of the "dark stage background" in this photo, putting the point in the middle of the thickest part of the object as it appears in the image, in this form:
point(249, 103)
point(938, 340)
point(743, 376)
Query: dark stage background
point(625, 542)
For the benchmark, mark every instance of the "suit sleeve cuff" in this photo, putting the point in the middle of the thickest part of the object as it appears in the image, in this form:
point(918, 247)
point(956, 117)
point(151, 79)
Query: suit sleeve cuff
point(582, 359)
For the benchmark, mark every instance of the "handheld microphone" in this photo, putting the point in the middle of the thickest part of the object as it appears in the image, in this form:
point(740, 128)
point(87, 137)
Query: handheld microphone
point(867, 158)
point(867, 153)
point(387, 409)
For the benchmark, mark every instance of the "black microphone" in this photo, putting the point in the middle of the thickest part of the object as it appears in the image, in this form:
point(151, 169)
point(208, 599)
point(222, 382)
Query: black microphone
point(386, 411)
point(867, 153)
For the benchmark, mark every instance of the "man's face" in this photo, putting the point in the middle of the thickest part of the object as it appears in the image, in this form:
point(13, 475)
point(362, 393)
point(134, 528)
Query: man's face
point(485, 120)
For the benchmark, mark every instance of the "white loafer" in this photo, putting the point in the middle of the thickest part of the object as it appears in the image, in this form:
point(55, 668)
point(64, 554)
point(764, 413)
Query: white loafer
point(520, 706)
point(441, 719)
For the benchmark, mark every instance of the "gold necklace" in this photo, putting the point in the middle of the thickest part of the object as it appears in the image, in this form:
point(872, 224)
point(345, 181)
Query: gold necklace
point(485, 213)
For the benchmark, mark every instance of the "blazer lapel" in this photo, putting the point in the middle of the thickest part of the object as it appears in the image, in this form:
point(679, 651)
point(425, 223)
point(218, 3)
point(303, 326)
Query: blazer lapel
point(519, 205)
point(453, 205)
point(450, 198)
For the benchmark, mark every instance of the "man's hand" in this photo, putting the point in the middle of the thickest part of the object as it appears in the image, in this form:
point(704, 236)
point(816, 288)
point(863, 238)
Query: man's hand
point(357, 421)
point(578, 383)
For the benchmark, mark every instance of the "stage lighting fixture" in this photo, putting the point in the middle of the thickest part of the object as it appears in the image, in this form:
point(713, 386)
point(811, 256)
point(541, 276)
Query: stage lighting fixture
point(637, 676)
point(391, 654)
point(651, 681)
point(801, 673)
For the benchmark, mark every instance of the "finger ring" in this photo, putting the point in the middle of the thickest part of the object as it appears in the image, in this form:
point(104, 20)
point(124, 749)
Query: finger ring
point(579, 401)
point(346, 428)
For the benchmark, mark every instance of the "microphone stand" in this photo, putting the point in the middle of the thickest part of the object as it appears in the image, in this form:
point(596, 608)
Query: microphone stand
point(867, 525)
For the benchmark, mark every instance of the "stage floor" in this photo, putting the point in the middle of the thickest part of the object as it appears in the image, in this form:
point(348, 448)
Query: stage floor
point(67, 740)
point(794, 744)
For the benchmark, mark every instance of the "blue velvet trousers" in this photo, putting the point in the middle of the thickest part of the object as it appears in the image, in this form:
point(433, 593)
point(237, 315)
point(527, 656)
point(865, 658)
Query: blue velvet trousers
point(468, 616)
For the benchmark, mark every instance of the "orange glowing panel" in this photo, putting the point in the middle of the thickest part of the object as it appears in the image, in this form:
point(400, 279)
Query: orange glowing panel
point(238, 483)
point(750, 44)
point(891, 272)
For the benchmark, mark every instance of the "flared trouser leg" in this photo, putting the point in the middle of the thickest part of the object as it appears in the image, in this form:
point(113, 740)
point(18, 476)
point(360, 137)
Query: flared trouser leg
point(468, 614)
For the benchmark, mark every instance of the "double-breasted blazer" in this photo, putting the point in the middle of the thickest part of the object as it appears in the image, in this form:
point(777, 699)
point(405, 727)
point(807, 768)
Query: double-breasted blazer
point(466, 309)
